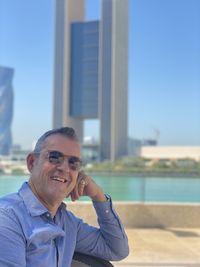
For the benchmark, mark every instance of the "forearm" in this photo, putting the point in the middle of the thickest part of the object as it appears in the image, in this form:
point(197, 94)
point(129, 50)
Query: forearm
point(112, 230)
point(99, 197)
point(109, 241)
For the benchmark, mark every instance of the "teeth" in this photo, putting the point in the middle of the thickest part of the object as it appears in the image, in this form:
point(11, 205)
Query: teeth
point(60, 179)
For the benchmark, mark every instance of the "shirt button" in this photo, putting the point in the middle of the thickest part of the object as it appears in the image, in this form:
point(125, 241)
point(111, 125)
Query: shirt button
point(107, 211)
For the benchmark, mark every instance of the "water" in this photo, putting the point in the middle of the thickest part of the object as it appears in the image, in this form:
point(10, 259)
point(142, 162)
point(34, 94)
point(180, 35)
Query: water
point(138, 189)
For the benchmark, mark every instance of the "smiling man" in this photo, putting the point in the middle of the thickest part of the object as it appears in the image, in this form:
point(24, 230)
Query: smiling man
point(36, 229)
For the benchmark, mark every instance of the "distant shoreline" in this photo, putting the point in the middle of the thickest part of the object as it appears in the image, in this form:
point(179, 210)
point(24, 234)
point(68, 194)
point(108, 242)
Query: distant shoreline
point(144, 174)
point(122, 173)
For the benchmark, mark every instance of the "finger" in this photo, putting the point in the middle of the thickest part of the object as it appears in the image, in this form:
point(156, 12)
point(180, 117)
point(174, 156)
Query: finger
point(78, 189)
point(81, 187)
point(72, 195)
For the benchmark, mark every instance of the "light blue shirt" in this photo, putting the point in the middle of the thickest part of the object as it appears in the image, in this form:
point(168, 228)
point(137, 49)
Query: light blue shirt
point(29, 237)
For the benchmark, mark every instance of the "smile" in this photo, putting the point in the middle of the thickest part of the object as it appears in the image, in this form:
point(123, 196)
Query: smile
point(59, 179)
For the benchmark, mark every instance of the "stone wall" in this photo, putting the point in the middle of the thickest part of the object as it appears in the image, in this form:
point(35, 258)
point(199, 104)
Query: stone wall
point(145, 215)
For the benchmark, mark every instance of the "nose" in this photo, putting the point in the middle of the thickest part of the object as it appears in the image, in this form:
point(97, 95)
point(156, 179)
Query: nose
point(64, 166)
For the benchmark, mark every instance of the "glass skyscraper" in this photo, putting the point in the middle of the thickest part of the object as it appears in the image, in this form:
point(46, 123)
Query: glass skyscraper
point(91, 72)
point(84, 65)
point(6, 109)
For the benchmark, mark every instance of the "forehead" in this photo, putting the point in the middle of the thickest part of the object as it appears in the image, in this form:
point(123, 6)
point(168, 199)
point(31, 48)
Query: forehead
point(63, 144)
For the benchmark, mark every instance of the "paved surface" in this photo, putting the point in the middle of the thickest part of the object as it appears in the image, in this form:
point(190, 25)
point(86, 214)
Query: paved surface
point(171, 247)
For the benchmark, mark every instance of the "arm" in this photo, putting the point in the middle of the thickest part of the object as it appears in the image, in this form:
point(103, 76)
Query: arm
point(12, 245)
point(109, 241)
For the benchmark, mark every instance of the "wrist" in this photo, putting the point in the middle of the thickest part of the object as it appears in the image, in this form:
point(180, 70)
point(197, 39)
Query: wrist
point(99, 197)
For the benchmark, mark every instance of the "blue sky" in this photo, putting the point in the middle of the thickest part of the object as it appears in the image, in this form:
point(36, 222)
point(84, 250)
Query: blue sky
point(164, 68)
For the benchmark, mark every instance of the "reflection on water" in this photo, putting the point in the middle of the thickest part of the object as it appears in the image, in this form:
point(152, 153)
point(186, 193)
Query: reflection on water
point(140, 189)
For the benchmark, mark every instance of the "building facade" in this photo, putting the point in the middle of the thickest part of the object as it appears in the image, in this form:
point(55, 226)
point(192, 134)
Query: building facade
point(91, 72)
point(6, 109)
point(170, 152)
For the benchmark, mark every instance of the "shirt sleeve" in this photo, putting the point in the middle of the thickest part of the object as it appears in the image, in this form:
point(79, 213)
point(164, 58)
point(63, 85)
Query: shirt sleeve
point(12, 244)
point(109, 241)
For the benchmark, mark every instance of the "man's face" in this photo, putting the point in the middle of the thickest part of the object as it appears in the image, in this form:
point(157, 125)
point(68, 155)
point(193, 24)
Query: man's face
point(53, 182)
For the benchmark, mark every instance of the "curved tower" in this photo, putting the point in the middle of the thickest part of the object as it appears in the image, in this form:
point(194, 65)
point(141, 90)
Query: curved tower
point(6, 109)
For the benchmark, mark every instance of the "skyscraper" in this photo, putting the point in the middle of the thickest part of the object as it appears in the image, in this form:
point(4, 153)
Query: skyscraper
point(6, 109)
point(90, 76)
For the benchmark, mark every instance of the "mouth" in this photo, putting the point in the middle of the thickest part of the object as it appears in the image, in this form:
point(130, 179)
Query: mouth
point(59, 179)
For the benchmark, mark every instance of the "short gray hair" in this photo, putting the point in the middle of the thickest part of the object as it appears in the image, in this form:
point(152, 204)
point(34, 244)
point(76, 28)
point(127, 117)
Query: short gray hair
point(65, 131)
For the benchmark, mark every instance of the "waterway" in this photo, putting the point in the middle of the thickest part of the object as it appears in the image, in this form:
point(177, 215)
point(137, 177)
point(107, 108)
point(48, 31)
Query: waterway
point(136, 189)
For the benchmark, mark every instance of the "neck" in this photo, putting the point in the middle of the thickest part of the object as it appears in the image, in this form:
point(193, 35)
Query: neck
point(51, 208)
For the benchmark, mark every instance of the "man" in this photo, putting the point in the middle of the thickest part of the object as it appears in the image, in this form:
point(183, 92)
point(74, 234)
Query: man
point(37, 230)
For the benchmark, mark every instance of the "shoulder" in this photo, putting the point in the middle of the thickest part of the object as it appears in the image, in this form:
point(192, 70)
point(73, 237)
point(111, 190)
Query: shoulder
point(10, 200)
point(10, 205)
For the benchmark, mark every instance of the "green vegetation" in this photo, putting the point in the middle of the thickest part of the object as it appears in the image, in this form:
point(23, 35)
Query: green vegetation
point(142, 166)
point(132, 166)
point(17, 171)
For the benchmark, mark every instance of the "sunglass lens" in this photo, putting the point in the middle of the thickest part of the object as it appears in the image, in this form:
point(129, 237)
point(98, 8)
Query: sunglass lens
point(74, 163)
point(55, 157)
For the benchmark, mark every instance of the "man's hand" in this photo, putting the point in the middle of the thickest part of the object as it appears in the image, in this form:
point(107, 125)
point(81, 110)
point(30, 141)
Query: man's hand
point(85, 186)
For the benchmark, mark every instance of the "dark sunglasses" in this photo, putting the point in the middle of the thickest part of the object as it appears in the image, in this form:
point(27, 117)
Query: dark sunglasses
point(57, 157)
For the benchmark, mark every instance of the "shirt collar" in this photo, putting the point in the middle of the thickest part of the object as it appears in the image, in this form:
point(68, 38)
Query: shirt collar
point(32, 203)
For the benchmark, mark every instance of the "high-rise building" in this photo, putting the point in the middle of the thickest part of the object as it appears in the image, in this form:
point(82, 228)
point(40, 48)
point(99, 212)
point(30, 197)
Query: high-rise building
point(6, 109)
point(91, 72)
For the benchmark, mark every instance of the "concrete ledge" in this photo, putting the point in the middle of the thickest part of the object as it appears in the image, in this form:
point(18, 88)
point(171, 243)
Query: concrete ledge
point(138, 215)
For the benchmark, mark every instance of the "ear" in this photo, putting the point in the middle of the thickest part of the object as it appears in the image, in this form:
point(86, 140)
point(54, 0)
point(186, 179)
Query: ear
point(30, 161)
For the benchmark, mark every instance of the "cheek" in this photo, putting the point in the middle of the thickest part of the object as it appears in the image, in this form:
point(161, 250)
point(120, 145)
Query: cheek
point(40, 171)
